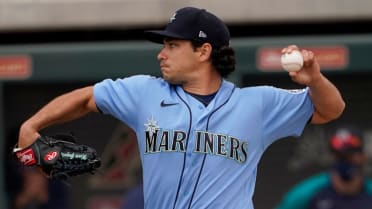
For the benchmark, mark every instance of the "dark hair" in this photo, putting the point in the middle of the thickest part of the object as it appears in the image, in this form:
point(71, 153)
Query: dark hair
point(223, 58)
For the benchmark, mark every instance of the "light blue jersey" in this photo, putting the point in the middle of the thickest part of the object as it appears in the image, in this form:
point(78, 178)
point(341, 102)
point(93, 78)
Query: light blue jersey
point(197, 157)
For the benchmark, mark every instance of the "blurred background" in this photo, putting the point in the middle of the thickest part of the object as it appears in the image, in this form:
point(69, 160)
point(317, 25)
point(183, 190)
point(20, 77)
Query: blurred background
point(49, 47)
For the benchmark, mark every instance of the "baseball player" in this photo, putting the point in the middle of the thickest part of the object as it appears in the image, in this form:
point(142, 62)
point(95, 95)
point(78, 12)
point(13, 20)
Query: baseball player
point(200, 137)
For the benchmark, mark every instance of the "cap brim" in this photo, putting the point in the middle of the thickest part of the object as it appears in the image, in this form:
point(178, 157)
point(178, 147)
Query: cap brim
point(158, 36)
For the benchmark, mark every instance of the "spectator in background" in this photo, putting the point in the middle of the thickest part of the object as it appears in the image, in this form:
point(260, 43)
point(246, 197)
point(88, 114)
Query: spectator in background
point(343, 186)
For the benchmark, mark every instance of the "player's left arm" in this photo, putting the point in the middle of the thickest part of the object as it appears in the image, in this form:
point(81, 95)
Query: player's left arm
point(327, 100)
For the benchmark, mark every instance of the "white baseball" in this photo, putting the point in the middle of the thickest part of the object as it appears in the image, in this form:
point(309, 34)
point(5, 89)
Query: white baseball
point(292, 61)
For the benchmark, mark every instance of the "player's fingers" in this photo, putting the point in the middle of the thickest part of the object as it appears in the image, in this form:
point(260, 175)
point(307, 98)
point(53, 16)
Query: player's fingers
point(308, 57)
point(290, 48)
point(293, 47)
point(293, 76)
point(292, 73)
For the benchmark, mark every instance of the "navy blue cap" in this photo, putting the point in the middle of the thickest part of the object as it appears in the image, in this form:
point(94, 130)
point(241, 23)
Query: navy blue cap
point(190, 23)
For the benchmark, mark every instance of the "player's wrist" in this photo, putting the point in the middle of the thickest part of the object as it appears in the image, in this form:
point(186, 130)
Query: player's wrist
point(317, 81)
point(27, 135)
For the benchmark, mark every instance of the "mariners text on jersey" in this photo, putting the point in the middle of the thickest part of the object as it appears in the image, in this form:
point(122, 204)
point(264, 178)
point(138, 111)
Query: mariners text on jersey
point(159, 140)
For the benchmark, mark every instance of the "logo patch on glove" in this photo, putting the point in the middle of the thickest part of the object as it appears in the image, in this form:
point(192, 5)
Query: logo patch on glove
point(71, 155)
point(50, 155)
point(26, 157)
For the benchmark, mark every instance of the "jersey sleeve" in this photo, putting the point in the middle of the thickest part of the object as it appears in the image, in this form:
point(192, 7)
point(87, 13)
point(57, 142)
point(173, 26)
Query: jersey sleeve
point(120, 98)
point(285, 112)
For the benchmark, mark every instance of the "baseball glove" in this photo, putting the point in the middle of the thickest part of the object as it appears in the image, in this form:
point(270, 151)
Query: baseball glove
point(60, 157)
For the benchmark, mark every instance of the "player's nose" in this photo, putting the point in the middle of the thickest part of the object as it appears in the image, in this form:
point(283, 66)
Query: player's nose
point(161, 55)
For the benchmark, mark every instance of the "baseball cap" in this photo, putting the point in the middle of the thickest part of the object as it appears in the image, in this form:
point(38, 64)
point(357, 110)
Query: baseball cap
point(190, 23)
point(346, 140)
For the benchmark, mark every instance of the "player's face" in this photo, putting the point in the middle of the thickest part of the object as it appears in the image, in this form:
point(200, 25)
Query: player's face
point(178, 61)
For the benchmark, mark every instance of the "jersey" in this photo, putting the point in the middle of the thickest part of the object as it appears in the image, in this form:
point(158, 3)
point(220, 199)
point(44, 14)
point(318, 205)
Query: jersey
point(195, 156)
point(328, 198)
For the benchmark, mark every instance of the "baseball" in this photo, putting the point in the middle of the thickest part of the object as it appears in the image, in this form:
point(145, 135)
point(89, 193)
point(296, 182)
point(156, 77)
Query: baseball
point(292, 61)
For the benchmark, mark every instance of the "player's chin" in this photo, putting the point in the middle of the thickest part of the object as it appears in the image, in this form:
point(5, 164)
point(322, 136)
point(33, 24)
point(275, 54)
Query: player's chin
point(166, 75)
point(171, 80)
point(164, 72)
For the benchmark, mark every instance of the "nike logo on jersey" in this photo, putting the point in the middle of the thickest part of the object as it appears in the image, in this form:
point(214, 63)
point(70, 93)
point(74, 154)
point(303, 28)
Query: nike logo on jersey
point(164, 104)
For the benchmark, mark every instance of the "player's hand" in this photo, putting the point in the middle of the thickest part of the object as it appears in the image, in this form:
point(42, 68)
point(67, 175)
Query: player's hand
point(310, 71)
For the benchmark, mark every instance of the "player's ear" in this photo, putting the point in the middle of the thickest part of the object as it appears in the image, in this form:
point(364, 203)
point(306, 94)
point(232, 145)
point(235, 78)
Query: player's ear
point(205, 51)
